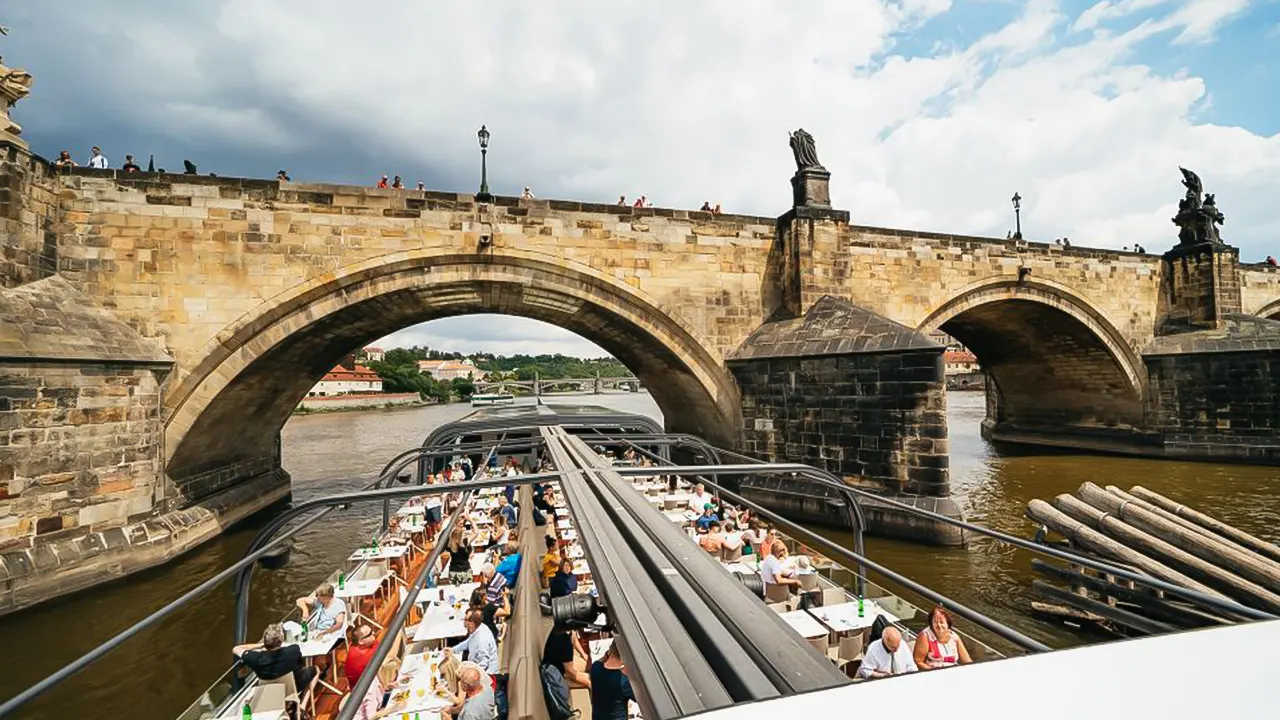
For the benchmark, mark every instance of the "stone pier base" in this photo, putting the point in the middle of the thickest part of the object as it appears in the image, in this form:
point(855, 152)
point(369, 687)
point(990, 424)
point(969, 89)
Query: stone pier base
point(47, 570)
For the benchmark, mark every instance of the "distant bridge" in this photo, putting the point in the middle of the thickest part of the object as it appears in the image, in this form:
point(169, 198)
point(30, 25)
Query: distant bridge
point(538, 386)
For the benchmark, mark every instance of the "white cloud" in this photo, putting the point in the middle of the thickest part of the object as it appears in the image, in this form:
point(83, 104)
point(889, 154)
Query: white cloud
point(497, 334)
point(693, 103)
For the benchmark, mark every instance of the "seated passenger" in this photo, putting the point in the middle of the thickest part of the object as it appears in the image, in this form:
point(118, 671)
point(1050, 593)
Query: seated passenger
point(707, 517)
point(271, 659)
point(610, 688)
point(732, 537)
point(701, 498)
point(937, 646)
point(887, 656)
point(360, 653)
point(550, 561)
point(480, 645)
point(510, 565)
point(564, 582)
point(508, 511)
point(325, 613)
point(492, 582)
point(559, 650)
point(713, 540)
point(771, 570)
point(491, 612)
point(478, 700)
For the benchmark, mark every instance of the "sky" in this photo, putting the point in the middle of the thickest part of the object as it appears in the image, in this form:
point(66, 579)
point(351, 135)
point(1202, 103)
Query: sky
point(930, 114)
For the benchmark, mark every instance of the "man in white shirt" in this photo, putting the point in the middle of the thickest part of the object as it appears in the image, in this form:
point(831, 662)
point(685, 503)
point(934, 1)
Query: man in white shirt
point(771, 570)
point(887, 656)
point(98, 161)
point(481, 647)
point(700, 498)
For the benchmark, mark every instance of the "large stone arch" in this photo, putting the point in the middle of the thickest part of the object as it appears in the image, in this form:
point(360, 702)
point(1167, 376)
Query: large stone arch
point(1054, 359)
point(229, 404)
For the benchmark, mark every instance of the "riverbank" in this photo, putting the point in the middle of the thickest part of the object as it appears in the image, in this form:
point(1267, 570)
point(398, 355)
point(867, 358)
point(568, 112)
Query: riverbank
point(357, 403)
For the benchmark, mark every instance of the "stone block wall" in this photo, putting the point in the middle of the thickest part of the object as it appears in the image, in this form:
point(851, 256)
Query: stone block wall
point(28, 211)
point(1218, 405)
point(79, 449)
point(874, 417)
point(1201, 287)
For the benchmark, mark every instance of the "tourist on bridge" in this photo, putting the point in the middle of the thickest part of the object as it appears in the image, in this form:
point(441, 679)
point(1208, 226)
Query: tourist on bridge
point(610, 688)
point(97, 160)
point(325, 612)
point(527, 194)
point(383, 182)
point(938, 646)
point(397, 183)
point(480, 646)
point(129, 165)
point(64, 160)
point(887, 656)
point(272, 659)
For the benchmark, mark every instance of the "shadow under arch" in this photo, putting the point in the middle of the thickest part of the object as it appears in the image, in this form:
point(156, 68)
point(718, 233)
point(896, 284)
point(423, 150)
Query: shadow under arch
point(247, 380)
point(1053, 359)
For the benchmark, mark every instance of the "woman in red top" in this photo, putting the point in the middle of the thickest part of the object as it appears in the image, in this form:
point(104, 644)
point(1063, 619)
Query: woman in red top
point(938, 646)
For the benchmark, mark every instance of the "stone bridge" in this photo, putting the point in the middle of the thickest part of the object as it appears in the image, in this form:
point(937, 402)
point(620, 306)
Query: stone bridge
point(538, 386)
point(160, 329)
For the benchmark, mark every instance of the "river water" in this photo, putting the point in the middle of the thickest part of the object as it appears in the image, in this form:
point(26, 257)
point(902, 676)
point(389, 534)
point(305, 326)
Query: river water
point(157, 674)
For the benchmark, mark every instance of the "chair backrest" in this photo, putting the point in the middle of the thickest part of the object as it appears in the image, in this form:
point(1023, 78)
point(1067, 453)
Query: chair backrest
point(284, 681)
point(731, 554)
point(778, 607)
point(776, 593)
point(669, 504)
point(820, 643)
point(833, 596)
point(850, 646)
point(808, 581)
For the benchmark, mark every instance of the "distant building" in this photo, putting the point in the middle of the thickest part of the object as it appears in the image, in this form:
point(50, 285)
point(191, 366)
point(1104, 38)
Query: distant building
point(374, 354)
point(445, 370)
point(960, 362)
point(346, 380)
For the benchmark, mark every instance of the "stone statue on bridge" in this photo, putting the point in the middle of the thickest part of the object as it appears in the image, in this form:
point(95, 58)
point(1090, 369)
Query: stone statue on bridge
point(14, 85)
point(1197, 219)
point(805, 151)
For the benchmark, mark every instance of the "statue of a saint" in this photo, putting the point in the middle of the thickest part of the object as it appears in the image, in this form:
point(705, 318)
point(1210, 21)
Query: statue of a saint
point(806, 154)
point(1197, 219)
point(14, 85)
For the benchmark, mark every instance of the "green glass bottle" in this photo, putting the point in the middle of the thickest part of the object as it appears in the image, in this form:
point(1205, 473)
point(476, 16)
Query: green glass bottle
point(305, 634)
point(247, 712)
point(342, 579)
point(861, 611)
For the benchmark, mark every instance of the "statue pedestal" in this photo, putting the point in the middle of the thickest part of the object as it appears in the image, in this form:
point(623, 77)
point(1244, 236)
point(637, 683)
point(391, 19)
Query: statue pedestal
point(811, 187)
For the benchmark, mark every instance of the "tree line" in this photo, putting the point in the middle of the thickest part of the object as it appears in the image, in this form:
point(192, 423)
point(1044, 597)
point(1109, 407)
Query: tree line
point(399, 371)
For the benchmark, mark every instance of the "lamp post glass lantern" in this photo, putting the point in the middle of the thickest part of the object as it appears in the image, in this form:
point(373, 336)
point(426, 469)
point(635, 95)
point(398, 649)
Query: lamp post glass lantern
point(483, 136)
point(1017, 215)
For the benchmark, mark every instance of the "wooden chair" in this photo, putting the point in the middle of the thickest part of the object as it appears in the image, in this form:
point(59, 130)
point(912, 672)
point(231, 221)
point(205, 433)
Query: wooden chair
point(731, 555)
point(778, 607)
point(288, 693)
point(808, 581)
point(821, 644)
point(775, 593)
point(833, 596)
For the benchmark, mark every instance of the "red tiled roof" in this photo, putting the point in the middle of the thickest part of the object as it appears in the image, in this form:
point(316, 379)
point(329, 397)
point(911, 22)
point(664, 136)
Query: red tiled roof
point(372, 349)
point(359, 374)
point(959, 356)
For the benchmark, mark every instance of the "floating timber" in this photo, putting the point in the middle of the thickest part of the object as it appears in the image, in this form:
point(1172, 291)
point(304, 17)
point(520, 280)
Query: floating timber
point(1148, 533)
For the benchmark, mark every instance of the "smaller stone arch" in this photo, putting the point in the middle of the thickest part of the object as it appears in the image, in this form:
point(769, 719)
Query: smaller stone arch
point(1053, 359)
point(1271, 310)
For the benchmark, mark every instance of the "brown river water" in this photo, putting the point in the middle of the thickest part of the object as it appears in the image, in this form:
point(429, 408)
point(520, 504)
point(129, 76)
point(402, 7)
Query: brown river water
point(159, 673)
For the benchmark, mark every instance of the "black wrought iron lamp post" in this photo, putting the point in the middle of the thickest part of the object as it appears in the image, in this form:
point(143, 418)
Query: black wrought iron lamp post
point(1017, 216)
point(484, 196)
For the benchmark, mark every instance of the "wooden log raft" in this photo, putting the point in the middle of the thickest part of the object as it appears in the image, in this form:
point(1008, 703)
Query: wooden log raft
point(1182, 522)
point(1152, 546)
point(1260, 571)
point(1094, 541)
point(1256, 544)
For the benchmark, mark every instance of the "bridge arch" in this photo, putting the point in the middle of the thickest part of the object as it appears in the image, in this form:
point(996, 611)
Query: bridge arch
point(1053, 360)
point(245, 382)
point(1271, 310)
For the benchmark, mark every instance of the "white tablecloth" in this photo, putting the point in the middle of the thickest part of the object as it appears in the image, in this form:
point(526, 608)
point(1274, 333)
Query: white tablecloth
point(843, 617)
point(384, 552)
point(804, 624)
point(441, 622)
point(359, 588)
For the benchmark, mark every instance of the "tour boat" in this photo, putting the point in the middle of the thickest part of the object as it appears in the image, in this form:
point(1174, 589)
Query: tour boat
point(484, 399)
point(699, 633)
